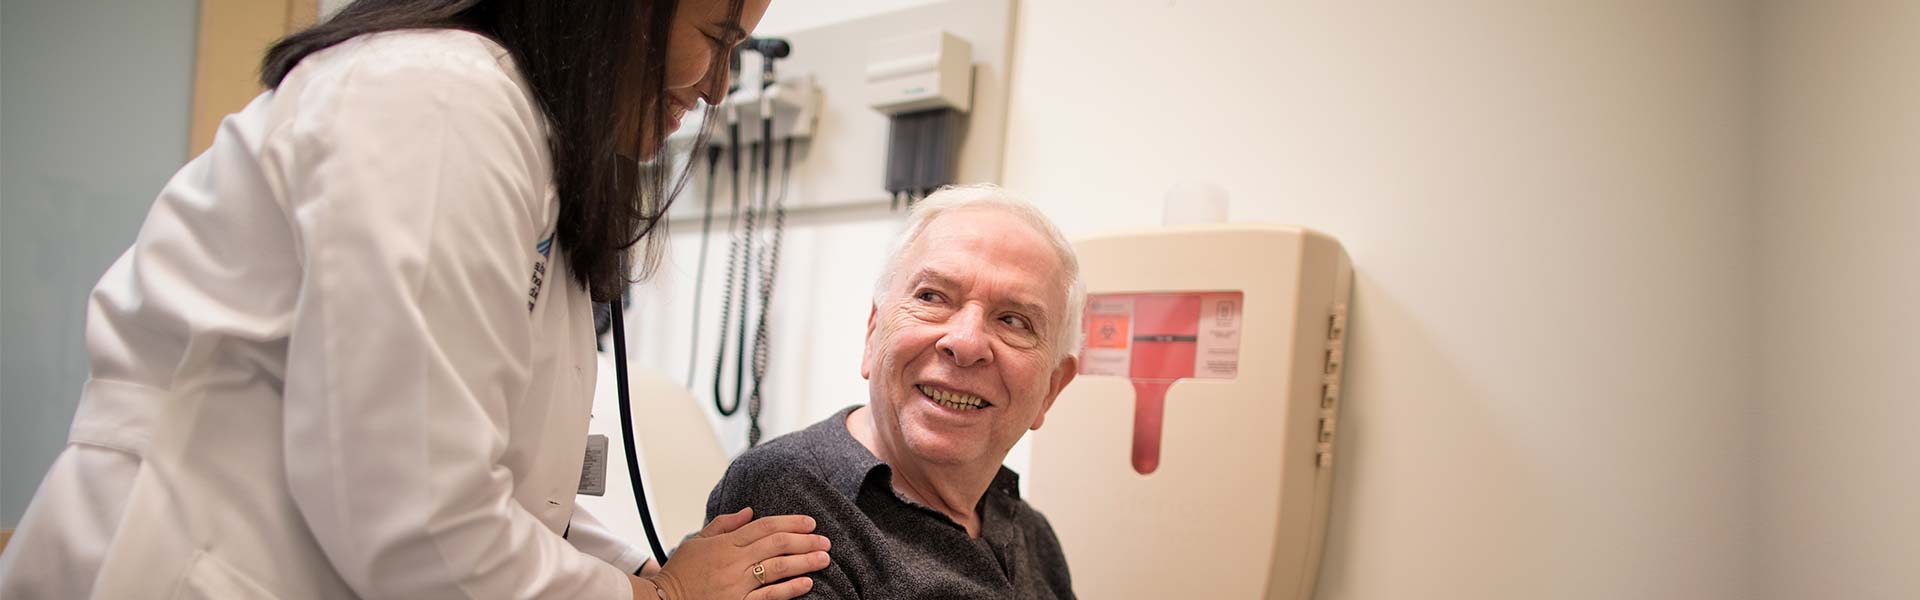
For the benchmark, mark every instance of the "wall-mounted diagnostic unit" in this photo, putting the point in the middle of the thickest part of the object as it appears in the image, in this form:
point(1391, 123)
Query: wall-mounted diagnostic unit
point(923, 82)
point(1192, 458)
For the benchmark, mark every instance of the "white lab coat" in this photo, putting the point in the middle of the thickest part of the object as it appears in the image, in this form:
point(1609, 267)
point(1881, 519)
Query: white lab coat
point(343, 358)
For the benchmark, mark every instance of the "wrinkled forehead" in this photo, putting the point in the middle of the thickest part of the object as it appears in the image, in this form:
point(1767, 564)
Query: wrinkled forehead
point(988, 246)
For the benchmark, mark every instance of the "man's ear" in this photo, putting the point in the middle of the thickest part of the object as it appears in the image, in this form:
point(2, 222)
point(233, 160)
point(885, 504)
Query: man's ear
point(866, 352)
point(1062, 375)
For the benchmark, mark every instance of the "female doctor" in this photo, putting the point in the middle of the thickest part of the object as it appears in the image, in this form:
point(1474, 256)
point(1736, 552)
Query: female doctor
point(351, 351)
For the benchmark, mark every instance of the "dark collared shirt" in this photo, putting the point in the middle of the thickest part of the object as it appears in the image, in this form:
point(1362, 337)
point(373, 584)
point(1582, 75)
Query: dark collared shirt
point(884, 545)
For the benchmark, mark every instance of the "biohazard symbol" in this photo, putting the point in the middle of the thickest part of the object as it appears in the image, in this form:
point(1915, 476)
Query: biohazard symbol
point(1109, 331)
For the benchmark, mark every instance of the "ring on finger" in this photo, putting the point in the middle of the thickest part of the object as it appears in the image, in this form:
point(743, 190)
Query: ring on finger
point(760, 573)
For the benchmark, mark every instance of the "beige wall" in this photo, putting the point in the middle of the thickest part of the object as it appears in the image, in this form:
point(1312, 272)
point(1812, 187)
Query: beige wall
point(1549, 207)
point(233, 36)
point(1840, 243)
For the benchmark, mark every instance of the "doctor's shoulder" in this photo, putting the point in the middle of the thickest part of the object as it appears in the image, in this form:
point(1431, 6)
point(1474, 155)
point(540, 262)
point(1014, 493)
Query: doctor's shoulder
point(432, 72)
point(411, 99)
point(380, 55)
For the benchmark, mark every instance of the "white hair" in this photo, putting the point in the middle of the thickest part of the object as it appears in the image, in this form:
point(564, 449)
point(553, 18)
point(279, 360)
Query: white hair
point(992, 197)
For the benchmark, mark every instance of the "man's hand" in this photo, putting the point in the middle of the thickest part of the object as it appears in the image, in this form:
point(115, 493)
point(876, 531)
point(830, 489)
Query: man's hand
point(720, 561)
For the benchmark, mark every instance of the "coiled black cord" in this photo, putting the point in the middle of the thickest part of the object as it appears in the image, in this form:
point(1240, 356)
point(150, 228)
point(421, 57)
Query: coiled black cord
point(760, 337)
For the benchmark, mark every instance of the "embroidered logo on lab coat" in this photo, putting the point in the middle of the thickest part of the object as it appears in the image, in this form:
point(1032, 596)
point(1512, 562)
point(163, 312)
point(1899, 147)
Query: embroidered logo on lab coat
point(545, 248)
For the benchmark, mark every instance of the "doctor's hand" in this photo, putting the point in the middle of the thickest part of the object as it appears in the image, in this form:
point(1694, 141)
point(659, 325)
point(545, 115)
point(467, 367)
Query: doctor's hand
point(720, 561)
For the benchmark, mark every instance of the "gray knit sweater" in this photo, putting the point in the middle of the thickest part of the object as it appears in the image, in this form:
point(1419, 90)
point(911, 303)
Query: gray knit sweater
point(885, 546)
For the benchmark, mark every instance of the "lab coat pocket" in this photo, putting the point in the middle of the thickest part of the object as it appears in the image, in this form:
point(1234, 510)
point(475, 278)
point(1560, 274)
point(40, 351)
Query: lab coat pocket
point(210, 578)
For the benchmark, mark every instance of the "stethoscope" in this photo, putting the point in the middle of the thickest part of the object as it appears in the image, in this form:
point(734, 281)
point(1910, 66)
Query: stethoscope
point(626, 431)
point(770, 49)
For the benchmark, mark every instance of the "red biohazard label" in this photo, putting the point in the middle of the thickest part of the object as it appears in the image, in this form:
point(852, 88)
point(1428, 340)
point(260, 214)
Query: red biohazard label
point(1155, 340)
point(1165, 336)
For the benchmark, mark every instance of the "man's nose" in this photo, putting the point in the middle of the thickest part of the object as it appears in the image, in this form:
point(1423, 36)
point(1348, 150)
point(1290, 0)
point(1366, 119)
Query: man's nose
point(965, 341)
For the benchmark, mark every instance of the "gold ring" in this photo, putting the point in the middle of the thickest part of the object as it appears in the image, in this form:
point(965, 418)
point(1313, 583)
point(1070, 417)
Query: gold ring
point(760, 573)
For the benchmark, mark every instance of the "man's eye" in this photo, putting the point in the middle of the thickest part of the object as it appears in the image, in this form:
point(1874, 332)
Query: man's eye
point(1017, 322)
point(929, 296)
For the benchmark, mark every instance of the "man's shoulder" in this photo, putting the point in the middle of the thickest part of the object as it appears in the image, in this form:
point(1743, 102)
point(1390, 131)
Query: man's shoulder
point(785, 456)
point(817, 449)
point(804, 468)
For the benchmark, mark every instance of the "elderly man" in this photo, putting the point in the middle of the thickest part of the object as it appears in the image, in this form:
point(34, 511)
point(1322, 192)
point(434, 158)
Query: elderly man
point(970, 340)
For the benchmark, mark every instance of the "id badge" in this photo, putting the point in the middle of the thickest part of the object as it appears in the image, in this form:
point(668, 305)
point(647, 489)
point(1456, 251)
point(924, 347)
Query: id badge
point(593, 471)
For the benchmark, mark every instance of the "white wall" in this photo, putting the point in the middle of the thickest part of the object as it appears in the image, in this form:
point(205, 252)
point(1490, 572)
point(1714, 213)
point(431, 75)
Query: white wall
point(790, 15)
point(1840, 225)
point(1549, 205)
point(328, 7)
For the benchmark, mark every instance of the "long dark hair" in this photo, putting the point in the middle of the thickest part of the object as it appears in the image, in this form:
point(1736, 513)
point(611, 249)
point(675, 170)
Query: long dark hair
point(579, 57)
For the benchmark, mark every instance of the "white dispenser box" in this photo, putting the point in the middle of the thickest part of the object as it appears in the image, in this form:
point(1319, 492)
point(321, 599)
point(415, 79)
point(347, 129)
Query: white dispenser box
point(1192, 457)
point(931, 69)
